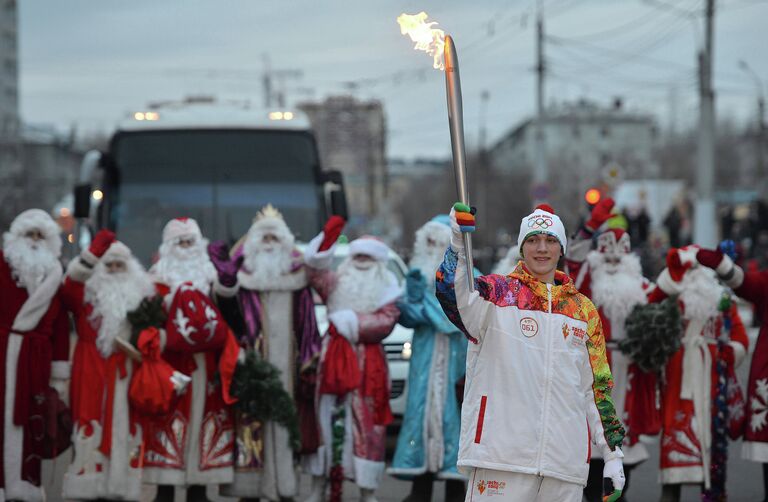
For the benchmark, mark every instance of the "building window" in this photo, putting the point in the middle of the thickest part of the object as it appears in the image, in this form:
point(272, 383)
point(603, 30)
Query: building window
point(576, 131)
point(605, 131)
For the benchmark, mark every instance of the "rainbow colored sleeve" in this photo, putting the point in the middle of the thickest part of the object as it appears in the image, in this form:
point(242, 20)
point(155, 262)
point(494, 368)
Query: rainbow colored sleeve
point(602, 381)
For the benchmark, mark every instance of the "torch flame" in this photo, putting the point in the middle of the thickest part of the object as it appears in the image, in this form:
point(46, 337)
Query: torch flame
point(428, 39)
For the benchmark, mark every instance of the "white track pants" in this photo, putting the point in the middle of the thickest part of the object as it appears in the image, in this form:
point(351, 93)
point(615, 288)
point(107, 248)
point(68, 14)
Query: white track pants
point(497, 486)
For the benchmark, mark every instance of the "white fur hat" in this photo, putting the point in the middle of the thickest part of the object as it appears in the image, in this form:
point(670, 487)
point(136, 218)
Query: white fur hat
point(542, 220)
point(117, 251)
point(269, 219)
point(370, 246)
point(42, 221)
point(180, 227)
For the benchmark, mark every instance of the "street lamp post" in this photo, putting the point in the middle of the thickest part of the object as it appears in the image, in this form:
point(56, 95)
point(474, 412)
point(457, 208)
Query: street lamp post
point(760, 113)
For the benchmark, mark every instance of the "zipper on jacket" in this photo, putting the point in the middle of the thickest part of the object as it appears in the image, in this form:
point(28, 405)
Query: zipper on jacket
point(547, 379)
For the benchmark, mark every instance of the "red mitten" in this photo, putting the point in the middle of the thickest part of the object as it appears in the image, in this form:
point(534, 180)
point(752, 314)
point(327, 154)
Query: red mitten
point(331, 231)
point(600, 213)
point(709, 257)
point(101, 242)
point(676, 267)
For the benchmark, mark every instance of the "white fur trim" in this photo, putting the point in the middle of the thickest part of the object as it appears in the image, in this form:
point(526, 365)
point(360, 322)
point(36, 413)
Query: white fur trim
point(78, 272)
point(61, 370)
point(38, 303)
point(319, 259)
point(88, 257)
point(370, 246)
point(180, 227)
point(737, 279)
point(15, 487)
point(225, 291)
point(739, 353)
point(368, 473)
point(40, 220)
point(679, 475)
point(346, 323)
point(667, 284)
point(544, 222)
point(755, 451)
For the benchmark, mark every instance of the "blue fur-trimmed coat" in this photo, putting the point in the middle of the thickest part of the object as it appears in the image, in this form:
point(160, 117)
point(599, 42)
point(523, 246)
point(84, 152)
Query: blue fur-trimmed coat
point(435, 338)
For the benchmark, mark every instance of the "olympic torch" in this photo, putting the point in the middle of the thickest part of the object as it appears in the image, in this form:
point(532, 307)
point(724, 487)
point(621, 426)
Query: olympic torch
point(441, 47)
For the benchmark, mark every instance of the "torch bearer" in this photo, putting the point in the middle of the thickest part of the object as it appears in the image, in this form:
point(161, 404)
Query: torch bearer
point(456, 126)
point(440, 46)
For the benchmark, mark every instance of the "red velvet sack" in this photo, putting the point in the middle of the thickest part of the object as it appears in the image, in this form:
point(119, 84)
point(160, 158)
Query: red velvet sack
point(194, 323)
point(341, 370)
point(151, 391)
point(642, 407)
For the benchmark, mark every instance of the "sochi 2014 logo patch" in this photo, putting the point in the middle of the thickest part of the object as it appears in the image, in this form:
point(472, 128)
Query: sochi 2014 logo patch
point(492, 486)
point(529, 327)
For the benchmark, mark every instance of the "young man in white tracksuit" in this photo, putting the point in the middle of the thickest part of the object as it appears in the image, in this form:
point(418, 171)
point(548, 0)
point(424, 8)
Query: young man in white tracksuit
point(537, 396)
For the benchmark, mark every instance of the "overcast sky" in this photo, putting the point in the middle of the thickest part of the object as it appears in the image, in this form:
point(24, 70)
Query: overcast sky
point(90, 62)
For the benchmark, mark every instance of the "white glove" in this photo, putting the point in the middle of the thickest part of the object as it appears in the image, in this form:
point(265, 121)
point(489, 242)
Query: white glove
point(614, 470)
point(346, 324)
point(457, 241)
point(180, 382)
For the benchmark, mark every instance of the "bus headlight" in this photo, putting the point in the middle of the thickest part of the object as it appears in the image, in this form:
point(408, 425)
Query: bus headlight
point(406, 352)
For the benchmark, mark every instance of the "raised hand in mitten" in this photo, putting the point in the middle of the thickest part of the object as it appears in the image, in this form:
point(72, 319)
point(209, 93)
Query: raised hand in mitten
point(675, 264)
point(462, 221)
point(101, 242)
point(600, 214)
point(226, 266)
point(415, 284)
point(332, 231)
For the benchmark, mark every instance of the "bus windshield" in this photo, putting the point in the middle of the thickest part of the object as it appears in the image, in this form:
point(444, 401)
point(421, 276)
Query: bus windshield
point(221, 178)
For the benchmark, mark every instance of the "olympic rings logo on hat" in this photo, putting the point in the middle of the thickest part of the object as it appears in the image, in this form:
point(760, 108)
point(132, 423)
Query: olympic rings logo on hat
point(539, 221)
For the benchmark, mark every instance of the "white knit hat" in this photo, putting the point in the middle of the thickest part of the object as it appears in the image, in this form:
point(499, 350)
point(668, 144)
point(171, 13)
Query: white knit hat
point(370, 246)
point(181, 227)
point(542, 220)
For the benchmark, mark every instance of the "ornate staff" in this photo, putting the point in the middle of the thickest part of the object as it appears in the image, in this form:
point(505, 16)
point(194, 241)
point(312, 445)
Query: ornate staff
point(441, 47)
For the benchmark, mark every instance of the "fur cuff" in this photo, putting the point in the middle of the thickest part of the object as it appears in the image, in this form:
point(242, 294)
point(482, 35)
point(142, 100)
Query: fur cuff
point(321, 260)
point(88, 257)
point(225, 291)
point(61, 370)
point(730, 273)
point(739, 353)
point(667, 284)
point(78, 271)
point(346, 324)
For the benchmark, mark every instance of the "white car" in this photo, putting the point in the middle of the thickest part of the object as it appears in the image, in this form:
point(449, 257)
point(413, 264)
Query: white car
point(397, 345)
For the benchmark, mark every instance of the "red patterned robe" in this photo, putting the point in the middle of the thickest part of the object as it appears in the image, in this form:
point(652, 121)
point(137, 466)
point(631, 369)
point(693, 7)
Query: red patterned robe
point(366, 417)
point(107, 436)
point(687, 398)
point(34, 340)
point(194, 443)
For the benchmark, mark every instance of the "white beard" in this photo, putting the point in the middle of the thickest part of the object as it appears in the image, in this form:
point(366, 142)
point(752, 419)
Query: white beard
point(617, 294)
point(427, 262)
point(178, 265)
point(361, 290)
point(112, 297)
point(267, 263)
point(426, 257)
point(701, 294)
point(30, 261)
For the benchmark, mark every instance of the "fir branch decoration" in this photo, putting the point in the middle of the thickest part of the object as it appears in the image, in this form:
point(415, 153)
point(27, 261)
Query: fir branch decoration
point(149, 313)
point(261, 396)
point(654, 332)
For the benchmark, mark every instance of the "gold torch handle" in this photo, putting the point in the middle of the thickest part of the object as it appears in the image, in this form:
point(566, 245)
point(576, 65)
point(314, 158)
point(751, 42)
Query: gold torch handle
point(456, 126)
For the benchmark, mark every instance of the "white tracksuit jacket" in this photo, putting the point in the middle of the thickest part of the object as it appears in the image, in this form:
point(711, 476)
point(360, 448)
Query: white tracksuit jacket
point(537, 395)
